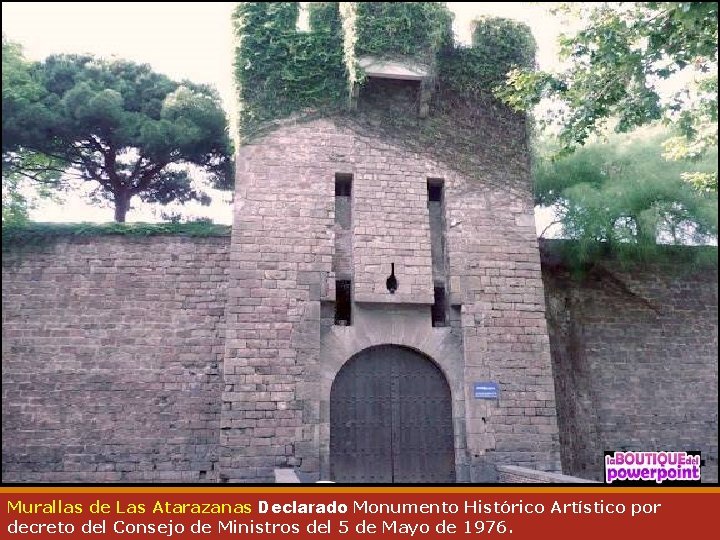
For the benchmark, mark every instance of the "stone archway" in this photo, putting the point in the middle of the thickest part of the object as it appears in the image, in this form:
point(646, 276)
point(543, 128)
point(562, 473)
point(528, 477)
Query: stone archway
point(391, 419)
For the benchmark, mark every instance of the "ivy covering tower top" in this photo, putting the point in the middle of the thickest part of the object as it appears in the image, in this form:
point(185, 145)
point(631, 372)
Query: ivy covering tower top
point(281, 70)
point(413, 29)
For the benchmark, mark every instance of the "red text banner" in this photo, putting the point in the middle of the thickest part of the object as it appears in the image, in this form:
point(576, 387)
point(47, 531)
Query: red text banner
point(359, 513)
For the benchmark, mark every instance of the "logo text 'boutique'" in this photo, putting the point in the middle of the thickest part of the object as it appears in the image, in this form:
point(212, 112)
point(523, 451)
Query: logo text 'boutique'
point(652, 466)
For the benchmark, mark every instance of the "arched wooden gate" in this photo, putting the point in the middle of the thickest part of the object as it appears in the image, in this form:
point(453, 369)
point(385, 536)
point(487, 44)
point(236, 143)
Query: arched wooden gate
point(391, 419)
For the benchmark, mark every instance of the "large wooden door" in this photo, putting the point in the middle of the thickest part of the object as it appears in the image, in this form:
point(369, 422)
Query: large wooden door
point(391, 419)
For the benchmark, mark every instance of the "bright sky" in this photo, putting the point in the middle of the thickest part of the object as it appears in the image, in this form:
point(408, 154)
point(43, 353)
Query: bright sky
point(185, 40)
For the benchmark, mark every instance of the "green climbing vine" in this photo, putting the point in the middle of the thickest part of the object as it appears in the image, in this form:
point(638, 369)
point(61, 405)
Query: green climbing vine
point(325, 17)
point(498, 45)
point(414, 29)
point(280, 70)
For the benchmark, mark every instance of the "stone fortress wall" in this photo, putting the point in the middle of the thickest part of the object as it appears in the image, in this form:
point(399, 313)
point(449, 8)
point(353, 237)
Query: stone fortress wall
point(113, 362)
point(170, 359)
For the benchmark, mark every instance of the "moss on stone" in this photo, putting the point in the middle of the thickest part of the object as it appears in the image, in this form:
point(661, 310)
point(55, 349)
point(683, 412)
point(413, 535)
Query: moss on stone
point(36, 233)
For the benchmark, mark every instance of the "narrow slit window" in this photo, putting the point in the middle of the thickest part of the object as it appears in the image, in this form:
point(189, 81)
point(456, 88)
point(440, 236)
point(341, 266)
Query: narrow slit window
point(343, 302)
point(436, 213)
point(435, 189)
point(342, 256)
point(439, 308)
point(343, 206)
point(343, 185)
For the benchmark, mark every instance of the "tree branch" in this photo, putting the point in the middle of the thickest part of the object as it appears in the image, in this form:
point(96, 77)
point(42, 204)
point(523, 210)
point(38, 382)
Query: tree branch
point(556, 222)
point(147, 176)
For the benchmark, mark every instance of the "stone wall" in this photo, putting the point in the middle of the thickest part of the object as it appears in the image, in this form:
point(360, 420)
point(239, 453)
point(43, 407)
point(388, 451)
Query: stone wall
point(113, 363)
point(112, 360)
point(279, 365)
point(635, 362)
point(511, 474)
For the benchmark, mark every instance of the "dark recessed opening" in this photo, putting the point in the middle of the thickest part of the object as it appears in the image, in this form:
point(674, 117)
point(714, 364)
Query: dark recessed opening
point(343, 302)
point(342, 255)
point(343, 185)
point(343, 207)
point(392, 283)
point(439, 308)
point(435, 189)
point(398, 96)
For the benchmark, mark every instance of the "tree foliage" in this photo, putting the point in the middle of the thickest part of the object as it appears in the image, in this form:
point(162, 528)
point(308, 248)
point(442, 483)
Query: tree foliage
point(20, 194)
point(621, 193)
point(616, 66)
point(18, 92)
point(115, 123)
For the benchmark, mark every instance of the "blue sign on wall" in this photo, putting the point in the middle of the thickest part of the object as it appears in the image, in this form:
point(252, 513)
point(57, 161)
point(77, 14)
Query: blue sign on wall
point(486, 390)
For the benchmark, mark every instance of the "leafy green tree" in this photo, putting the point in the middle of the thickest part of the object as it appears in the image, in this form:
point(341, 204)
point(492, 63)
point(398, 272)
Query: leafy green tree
point(19, 90)
point(616, 66)
point(697, 133)
point(118, 124)
point(21, 191)
point(621, 193)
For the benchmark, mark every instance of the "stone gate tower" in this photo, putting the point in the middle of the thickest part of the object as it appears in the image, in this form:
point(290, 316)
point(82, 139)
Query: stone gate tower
point(385, 315)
